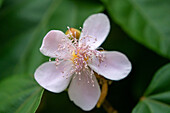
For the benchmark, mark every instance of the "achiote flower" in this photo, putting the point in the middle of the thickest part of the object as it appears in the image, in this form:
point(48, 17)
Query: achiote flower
point(77, 59)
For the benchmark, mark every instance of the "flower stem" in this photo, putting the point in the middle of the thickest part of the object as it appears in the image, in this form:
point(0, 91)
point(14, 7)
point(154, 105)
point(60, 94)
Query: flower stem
point(103, 95)
point(108, 107)
point(102, 100)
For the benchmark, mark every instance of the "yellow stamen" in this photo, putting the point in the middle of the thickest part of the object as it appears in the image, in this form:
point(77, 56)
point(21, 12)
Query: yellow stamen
point(76, 56)
point(73, 33)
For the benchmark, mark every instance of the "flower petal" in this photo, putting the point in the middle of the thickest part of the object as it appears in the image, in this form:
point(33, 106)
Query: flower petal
point(115, 66)
point(54, 78)
point(51, 43)
point(96, 26)
point(84, 94)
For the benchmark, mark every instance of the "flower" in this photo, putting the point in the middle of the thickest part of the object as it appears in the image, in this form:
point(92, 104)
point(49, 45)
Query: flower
point(76, 60)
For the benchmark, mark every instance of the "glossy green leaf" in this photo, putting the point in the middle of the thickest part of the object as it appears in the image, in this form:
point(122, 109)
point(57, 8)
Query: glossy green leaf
point(157, 96)
point(151, 106)
point(160, 82)
point(19, 94)
point(1, 2)
point(146, 21)
point(25, 23)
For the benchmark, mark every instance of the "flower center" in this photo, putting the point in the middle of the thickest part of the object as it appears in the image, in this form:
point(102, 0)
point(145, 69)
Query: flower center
point(79, 55)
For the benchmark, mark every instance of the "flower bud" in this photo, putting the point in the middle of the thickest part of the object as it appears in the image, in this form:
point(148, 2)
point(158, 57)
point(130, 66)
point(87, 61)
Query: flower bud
point(73, 33)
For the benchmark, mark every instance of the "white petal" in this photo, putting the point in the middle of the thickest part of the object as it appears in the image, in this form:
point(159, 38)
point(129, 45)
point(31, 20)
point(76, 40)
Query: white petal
point(96, 26)
point(115, 66)
point(51, 43)
point(52, 78)
point(84, 94)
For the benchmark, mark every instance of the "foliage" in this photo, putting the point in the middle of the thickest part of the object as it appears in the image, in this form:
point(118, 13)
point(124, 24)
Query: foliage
point(19, 94)
point(144, 20)
point(156, 98)
point(24, 23)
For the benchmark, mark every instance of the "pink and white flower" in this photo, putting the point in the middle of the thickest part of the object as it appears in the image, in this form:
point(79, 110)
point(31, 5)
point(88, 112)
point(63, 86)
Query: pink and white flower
point(76, 61)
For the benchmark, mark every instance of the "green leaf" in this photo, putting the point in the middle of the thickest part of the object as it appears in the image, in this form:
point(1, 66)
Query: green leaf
point(1, 2)
point(151, 106)
point(25, 23)
point(146, 21)
point(73, 18)
point(19, 94)
point(157, 96)
point(160, 82)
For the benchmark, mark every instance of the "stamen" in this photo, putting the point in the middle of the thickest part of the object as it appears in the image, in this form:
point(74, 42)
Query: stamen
point(81, 55)
point(79, 78)
point(57, 61)
point(50, 59)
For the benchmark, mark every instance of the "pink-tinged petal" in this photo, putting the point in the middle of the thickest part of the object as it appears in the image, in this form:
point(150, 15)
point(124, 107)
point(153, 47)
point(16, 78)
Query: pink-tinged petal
point(115, 66)
point(97, 27)
point(53, 41)
point(84, 94)
point(54, 78)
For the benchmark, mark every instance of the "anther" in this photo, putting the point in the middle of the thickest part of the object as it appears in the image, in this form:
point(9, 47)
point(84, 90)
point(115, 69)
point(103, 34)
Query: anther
point(79, 78)
point(49, 59)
